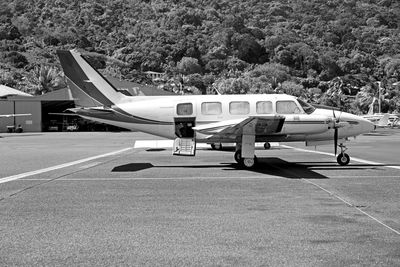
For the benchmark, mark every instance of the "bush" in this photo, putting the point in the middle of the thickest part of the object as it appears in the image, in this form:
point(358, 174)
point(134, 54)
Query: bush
point(16, 59)
point(9, 32)
point(51, 40)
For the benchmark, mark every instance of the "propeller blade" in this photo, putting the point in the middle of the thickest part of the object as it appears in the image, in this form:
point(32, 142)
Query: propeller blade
point(335, 138)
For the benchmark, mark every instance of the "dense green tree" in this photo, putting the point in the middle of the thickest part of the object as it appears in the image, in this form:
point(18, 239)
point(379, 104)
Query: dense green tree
point(272, 72)
point(16, 59)
point(196, 80)
point(8, 31)
point(292, 88)
point(304, 45)
point(189, 65)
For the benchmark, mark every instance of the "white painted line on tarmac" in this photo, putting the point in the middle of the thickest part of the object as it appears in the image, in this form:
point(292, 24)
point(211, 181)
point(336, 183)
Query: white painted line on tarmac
point(352, 158)
point(160, 178)
point(69, 164)
point(153, 143)
point(261, 177)
point(351, 205)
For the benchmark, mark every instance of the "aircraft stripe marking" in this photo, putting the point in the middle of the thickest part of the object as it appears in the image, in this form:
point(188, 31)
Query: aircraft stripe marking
point(69, 164)
point(352, 158)
point(351, 205)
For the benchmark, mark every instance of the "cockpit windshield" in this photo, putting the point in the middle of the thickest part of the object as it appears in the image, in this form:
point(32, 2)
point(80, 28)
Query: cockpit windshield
point(306, 107)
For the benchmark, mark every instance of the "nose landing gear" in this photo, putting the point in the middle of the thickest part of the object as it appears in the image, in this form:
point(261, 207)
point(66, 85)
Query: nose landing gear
point(343, 159)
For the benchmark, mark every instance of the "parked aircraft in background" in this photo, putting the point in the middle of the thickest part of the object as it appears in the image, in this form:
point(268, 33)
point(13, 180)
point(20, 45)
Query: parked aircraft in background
point(190, 119)
point(13, 115)
point(381, 120)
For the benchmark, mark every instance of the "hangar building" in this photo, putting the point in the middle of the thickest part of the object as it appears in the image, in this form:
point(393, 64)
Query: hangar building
point(38, 106)
point(41, 108)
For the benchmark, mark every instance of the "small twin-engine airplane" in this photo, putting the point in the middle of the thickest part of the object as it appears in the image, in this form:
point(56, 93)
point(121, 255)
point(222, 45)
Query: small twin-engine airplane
point(190, 119)
point(382, 120)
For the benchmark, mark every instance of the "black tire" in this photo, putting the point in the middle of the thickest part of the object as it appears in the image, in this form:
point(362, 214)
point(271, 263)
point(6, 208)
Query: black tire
point(267, 145)
point(238, 156)
point(216, 146)
point(343, 159)
point(249, 163)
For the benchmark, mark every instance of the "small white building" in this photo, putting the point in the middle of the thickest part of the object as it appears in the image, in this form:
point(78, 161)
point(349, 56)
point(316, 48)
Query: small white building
point(154, 75)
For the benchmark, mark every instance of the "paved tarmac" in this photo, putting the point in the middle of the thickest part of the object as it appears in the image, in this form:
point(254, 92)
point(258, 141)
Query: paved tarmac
point(99, 199)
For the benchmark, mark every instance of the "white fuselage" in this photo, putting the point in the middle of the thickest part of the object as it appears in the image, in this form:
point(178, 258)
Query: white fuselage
point(299, 125)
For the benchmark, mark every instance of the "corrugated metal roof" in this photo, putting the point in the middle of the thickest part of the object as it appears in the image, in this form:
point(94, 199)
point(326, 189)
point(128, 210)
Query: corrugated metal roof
point(6, 91)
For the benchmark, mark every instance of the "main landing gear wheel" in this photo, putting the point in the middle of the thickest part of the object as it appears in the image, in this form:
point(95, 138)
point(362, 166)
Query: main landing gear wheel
point(249, 162)
point(343, 159)
point(267, 145)
point(238, 156)
point(245, 162)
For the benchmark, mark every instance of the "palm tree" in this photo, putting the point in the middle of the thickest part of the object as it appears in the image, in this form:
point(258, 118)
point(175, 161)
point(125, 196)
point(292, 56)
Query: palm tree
point(364, 99)
point(44, 79)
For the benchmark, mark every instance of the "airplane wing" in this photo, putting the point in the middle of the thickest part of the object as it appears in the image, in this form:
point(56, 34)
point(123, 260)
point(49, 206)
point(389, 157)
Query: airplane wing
point(257, 125)
point(13, 115)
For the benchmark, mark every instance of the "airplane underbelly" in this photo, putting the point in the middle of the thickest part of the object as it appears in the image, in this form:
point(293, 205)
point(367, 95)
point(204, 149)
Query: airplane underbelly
point(304, 128)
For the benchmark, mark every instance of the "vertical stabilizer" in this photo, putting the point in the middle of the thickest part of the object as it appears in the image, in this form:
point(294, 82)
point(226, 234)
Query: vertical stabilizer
point(88, 87)
point(384, 121)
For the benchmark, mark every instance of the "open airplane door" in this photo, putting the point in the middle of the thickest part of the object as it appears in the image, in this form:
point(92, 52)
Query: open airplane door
point(185, 143)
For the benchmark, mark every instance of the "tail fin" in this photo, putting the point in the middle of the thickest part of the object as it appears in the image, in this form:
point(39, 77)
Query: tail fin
point(88, 87)
point(384, 121)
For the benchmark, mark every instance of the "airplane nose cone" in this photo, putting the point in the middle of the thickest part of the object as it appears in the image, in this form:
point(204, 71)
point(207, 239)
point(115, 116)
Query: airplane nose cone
point(367, 126)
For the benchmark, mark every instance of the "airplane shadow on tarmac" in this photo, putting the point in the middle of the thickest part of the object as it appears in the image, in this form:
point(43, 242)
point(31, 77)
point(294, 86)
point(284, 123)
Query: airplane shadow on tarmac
point(268, 165)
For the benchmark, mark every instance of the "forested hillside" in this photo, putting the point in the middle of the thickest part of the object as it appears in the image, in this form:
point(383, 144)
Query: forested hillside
point(327, 51)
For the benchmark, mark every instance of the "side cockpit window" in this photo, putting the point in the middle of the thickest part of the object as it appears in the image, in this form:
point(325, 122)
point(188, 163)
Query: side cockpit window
point(184, 109)
point(287, 107)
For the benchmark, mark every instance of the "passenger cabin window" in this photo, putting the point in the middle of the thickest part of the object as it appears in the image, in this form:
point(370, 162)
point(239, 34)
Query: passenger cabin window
point(287, 107)
point(239, 108)
point(211, 108)
point(184, 109)
point(264, 107)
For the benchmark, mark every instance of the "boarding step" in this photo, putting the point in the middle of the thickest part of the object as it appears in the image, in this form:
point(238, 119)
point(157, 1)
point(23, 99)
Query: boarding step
point(184, 147)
